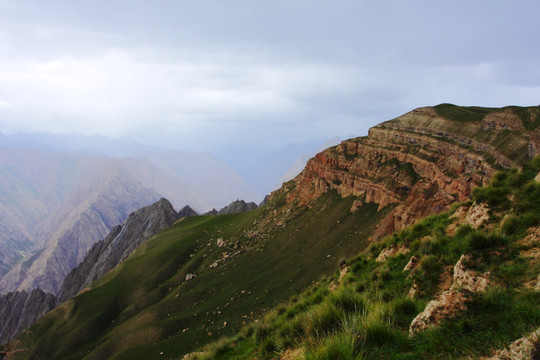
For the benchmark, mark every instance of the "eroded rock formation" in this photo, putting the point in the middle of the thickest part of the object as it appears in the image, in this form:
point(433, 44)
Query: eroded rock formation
point(419, 163)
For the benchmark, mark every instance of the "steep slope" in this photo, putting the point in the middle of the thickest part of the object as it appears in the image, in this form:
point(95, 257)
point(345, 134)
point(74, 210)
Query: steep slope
point(206, 276)
point(422, 161)
point(19, 310)
point(460, 285)
point(92, 209)
point(123, 239)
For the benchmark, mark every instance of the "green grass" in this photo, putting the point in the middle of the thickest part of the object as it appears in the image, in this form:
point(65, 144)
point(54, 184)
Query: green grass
point(368, 315)
point(145, 307)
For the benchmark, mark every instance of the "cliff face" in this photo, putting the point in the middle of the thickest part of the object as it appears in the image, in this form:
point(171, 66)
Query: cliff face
point(89, 214)
point(19, 310)
point(420, 162)
point(140, 226)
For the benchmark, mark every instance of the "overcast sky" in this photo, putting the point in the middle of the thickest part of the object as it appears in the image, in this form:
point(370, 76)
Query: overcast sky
point(202, 74)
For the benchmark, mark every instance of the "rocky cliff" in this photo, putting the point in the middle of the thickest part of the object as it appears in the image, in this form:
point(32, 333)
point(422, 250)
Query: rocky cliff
point(238, 206)
point(98, 204)
point(20, 309)
point(420, 162)
point(140, 226)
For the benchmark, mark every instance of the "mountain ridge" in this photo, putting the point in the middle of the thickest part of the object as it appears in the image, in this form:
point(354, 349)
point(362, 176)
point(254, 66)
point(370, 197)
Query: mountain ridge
point(213, 274)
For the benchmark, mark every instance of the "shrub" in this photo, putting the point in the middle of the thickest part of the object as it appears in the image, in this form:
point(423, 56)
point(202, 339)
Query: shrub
point(348, 300)
point(262, 332)
point(480, 241)
point(378, 334)
point(322, 320)
point(403, 311)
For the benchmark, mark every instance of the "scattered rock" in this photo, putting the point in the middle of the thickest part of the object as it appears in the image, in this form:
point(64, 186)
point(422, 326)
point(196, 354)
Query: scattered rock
point(190, 276)
point(392, 251)
point(468, 279)
point(357, 204)
point(439, 309)
point(412, 264)
point(220, 242)
point(344, 270)
point(414, 290)
point(521, 349)
point(465, 283)
point(292, 354)
point(475, 215)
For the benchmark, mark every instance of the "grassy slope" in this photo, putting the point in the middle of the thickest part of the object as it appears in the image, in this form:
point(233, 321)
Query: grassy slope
point(368, 315)
point(145, 307)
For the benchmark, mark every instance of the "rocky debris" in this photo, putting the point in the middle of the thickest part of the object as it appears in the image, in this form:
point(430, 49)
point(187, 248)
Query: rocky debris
point(393, 250)
point(190, 276)
point(187, 211)
point(357, 204)
point(536, 285)
point(238, 206)
point(292, 354)
point(20, 309)
point(335, 284)
point(414, 290)
point(537, 177)
point(475, 215)
point(465, 283)
point(140, 226)
point(412, 264)
point(193, 356)
point(522, 349)
point(444, 305)
point(467, 279)
point(220, 242)
point(502, 120)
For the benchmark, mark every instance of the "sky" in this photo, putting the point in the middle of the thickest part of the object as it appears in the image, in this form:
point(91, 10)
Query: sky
point(213, 74)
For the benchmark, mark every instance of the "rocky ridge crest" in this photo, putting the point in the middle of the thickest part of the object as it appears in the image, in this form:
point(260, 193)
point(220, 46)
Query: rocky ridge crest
point(419, 163)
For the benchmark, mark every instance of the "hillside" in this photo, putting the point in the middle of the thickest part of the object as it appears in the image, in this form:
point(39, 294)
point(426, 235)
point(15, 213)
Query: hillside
point(206, 276)
point(55, 206)
point(463, 284)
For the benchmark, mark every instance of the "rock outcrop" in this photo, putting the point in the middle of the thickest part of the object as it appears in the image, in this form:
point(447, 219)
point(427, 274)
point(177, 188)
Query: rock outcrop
point(123, 239)
point(20, 309)
point(391, 251)
point(89, 214)
point(238, 206)
point(465, 283)
point(419, 163)
point(525, 348)
point(187, 211)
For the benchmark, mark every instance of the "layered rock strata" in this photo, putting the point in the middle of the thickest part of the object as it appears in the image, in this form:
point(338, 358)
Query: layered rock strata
point(419, 163)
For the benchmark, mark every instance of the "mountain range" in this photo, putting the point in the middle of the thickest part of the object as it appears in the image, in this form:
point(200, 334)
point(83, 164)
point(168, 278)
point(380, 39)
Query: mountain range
point(210, 276)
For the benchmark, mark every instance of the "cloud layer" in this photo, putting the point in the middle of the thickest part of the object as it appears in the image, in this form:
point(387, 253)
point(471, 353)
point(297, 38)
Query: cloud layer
point(209, 73)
